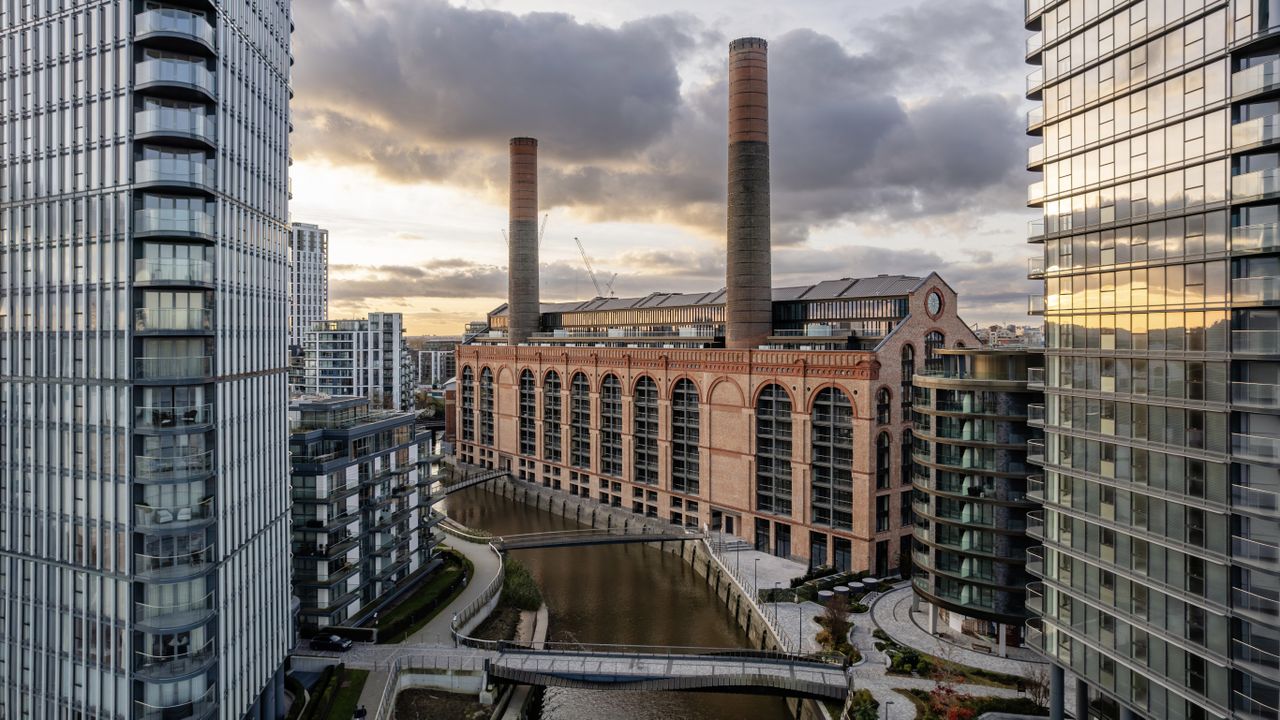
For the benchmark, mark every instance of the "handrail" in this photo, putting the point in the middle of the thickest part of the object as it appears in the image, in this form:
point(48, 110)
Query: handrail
point(780, 636)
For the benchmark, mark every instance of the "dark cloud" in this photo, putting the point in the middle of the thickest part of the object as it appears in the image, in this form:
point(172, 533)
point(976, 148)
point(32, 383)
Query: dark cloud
point(420, 90)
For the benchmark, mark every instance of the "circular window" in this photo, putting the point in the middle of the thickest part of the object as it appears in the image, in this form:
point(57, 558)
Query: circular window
point(934, 303)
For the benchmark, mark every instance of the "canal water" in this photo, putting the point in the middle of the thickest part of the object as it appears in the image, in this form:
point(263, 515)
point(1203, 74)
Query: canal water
point(619, 594)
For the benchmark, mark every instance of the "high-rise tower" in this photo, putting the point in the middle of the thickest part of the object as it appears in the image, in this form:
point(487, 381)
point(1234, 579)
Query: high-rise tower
point(144, 506)
point(1161, 545)
point(308, 280)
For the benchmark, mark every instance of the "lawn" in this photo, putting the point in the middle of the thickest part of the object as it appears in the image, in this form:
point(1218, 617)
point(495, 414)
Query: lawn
point(347, 697)
point(414, 612)
point(334, 697)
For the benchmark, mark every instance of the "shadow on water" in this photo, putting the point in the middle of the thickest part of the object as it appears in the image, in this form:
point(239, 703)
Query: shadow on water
point(619, 594)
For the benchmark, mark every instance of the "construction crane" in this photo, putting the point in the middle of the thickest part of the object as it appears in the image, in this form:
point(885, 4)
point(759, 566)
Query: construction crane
point(590, 270)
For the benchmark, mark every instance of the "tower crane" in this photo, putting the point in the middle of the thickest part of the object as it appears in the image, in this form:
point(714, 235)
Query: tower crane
point(590, 270)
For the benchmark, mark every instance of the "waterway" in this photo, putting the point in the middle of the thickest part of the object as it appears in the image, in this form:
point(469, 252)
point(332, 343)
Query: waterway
point(623, 594)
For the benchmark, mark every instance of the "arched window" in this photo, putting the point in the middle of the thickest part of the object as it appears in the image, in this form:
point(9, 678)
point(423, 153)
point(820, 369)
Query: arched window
point(908, 372)
point(528, 415)
point(884, 461)
point(552, 406)
point(773, 451)
point(831, 497)
point(933, 342)
point(645, 431)
point(959, 344)
point(468, 391)
point(685, 429)
point(905, 451)
point(884, 410)
point(486, 407)
point(611, 426)
point(580, 422)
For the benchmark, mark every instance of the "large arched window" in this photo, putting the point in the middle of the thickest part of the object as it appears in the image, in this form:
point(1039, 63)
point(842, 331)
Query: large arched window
point(468, 390)
point(908, 372)
point(645, 431)
point(611, 426)
point(773, 451)
point(580, 422)
point(933, 342)
point(884, 461)
point(552, 413)
point(831, 497)
point(685, 428)
point(884, 408)
point(486, 407)
point(528, 415)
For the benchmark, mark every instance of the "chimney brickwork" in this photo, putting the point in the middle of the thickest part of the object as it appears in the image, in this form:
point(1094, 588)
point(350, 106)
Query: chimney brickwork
point(523, 304)
point(748, 281)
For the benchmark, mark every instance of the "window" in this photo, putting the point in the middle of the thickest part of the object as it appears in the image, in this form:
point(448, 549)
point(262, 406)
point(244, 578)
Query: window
point(884, 463)
point(883, 519)
point(486, 407)
point(904, 509)
point(611, 426)
point(685, 429)
point(551, 418)
point(645, 431)
point(908, 371)
point(773, 451)
point(468, 405)
point(883, 401)
point(933, 342)
point(905, 454)
point(528, 415)
point(580, 422)
point(831, 494)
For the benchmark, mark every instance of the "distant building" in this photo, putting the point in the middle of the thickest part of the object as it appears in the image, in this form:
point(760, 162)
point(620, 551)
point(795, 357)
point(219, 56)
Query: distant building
point(366, 358)
point(308, 280)
point(1030, 336)
point(362, 518)
point(437, 362)
point(973, 490)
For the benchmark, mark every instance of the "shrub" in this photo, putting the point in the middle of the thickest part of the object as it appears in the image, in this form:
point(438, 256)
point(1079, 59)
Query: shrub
point(519, 589)
point(880, 635)
point(862, 706)
point(858, 608)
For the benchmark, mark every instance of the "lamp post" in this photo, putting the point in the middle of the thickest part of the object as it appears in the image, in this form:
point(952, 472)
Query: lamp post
point(887, 703)
point(799, 622)
point(755, 578)
point(776, 601)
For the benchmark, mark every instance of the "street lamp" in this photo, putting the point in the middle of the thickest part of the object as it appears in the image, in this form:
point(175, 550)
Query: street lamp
point(776, 601)
point(799, 622)
point(887, 703)
point(755, 577)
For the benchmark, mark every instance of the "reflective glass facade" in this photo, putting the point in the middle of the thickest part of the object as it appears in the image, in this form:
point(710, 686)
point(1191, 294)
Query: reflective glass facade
point(1159, 195)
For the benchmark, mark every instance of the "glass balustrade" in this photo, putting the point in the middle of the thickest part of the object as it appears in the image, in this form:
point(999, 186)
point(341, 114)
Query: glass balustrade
point(173, 567)
point(1256, 447)
point(173, 270)
point(1035, 267)
point(1260, 237)
point(173, 21)
point(1255, 131)
point(173, 319)
point(1254, 498)
point(198, 708)
point(1035, 560)
point(172, 417)
point(1035, 117)
point(184, 222)
point(171, 71)
point(1035, 79)
point(173, 171)
point(1258, 78)
point(1255, 289)
point(178, 516)
point(174, 368)
point(1035, 524)
point(175, 614)
point(1255, 342)
point(1035, 376)
point(1256, 395)
point(1259, 552)
point(176, 661)
point(173, 467)
point(189, 123)
point(1255, 184)
point(1035, 304)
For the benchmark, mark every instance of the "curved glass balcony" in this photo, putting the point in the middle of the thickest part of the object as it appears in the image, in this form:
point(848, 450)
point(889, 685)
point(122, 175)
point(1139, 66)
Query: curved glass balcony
point(193, 367)
point(173, 172)
point(172, 616)
point(174, 567)
point(174, 23)
point(173, 320)
point(1035, 524)
point(1035, 117)
point(180, 222)
point(177, 123)
point(1261, 237)
point(178, 271)
point(1258, 131)
point(1035, 194)
point(172, 417)
point(153, 72)
point(181, 662)
point(1035, 451)
point(1255, 184)
point(1255, 290)
point(167, 468)
point(165, 518)
point(1035, 83)
point(1256, 79)
point(1035, 43)
point(202, 707)
point(1035, 157)
point(1035, 560)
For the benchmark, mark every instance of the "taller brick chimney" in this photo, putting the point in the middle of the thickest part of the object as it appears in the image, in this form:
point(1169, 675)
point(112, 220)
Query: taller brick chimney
point(749, 278)
point(523, 309)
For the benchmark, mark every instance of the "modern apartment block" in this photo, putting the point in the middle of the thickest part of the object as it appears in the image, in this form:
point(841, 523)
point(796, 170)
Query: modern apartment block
point(368, 358)
point(437, 361)
point(973, 430)
point(362, 503)
point(144, 512)
point(308, 280)
point(1161, 543)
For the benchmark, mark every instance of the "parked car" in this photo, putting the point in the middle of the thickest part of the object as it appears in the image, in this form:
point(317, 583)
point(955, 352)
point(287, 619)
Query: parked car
point(332, 643)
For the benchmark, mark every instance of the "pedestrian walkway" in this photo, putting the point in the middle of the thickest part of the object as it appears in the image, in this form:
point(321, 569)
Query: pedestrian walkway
point(892, 613)
point(486, 567)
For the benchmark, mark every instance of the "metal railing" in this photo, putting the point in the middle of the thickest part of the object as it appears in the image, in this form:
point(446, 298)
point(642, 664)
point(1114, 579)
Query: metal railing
point(780, 636)
point(194, 709)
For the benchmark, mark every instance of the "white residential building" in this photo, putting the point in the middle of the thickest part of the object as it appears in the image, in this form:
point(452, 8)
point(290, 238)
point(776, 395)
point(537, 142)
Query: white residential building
point(368, 358)
point(144, 501)
point(308, 279)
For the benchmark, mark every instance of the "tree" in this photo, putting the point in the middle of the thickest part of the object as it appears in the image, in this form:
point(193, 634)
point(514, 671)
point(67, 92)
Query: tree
point(862, 706)
point(1038, 685)
point(835, 624)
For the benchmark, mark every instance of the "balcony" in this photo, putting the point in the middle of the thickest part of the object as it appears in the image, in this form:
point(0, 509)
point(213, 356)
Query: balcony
point(1258, 553)
point(1256, 79)
point(1035, 230)
point(173, 320)
point(1255, 342)
point(173, 468)
point(176, 664)
point(1035, 118)
point(1254, 655)
point(1035, 304)
point(1035, 414)
point(1255, 447)
point(1255, 290)
point(174, 271)
point(172, 518)
point(1035, 194)
point(1254, 602)
point(172, 172)
point(1035, 560)
point(1035, 157)
point(175, 123)
point(160, 73)
point(1035, 83)
point(1035, 524)
point(1035, 488)
point(1035, 377)
point(1035, 268)
point(174, 24)
point(172, 417)
point(1247, 707)
point(197, 709)
point(1033, 636)
point(1262, 237)
point(1035, 44)
point(1256, 184)
point(174, 567)
point(1035, 597)
point(196, 367)
point(1265, 396)
point(1256, 132)
point(153, 221)
point(174, 616)
point(1251, 498)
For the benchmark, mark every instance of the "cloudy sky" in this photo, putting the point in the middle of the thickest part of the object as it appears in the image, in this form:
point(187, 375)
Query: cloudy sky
point(896, 144)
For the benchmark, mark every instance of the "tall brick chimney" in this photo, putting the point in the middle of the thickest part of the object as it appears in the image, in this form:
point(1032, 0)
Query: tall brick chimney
point(749, 279)
point(523, 309)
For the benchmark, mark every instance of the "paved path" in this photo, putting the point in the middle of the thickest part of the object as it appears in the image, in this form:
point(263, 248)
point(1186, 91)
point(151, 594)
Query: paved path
point(486, 566)
point(892, 613)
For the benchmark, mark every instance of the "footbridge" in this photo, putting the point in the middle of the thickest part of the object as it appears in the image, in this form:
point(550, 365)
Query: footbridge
point(472, 479)
point(592, 536)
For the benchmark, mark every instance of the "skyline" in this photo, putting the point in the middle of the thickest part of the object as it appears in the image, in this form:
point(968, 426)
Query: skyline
point(641, 183)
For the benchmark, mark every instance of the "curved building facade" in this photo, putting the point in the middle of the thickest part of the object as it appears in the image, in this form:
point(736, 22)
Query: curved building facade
point(971, 500)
